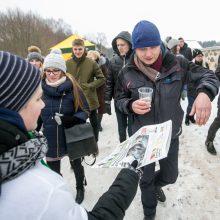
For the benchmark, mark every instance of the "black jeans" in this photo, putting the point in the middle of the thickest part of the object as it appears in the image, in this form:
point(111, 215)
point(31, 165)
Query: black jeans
point(214, 127)
point(124, 122)
point(93, 118)
point(166, 175)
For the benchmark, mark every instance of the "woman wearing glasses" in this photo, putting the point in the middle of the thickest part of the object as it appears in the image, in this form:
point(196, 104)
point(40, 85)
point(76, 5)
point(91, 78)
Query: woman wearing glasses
point(65, 106)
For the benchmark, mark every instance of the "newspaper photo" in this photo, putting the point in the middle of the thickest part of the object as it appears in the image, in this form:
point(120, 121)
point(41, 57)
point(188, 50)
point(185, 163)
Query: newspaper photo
point(149, 144)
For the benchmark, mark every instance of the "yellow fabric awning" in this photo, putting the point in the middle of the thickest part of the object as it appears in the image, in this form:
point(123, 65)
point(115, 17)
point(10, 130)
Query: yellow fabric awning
point(66, 45)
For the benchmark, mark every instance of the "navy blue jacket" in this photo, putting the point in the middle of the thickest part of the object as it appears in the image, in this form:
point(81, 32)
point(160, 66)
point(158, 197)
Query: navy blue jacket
point(61, 100)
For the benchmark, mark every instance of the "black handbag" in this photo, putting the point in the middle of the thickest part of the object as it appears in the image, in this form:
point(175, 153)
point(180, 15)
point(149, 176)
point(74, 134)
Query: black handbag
point(80, 141)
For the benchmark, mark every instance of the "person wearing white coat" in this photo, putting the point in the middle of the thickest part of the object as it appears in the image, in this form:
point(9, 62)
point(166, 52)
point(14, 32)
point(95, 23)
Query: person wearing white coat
point(29, 189)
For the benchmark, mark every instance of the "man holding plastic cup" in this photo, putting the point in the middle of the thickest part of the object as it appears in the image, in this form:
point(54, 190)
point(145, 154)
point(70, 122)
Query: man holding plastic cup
point(153, 66)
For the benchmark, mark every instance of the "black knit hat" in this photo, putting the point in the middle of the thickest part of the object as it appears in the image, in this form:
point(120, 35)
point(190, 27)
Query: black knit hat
point(18, 81)
point(197, 52)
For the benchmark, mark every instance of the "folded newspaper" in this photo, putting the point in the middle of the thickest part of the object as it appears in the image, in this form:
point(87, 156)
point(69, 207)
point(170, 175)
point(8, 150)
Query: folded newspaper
point(149, 144)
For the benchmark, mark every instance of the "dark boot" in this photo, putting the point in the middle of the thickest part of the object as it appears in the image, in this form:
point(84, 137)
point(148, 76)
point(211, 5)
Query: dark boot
point(187, 120)
point(100, 121)
point(80, 179)
point(149, 217)
point(192, 119)
point(79, 195)
point(160, 194)
point(210, 147)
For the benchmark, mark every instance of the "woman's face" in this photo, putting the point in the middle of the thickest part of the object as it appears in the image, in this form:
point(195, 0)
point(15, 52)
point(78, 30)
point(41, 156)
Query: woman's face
point(31, 111)
point(36, 63)
point(53, 74)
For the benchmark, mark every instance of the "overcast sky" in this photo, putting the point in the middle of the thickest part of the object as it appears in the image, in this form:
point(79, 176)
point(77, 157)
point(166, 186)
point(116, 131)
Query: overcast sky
point(190, 19)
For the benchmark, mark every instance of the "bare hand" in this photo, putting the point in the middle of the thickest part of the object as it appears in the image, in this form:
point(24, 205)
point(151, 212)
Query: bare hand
point(141, 107)
point(201, 108)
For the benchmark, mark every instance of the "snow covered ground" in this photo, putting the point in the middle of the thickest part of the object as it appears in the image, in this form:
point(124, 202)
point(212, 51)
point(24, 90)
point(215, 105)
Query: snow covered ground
point(195, 195)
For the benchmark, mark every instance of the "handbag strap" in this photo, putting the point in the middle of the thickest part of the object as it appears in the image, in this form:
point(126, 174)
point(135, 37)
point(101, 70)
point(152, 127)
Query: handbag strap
point(90, 164)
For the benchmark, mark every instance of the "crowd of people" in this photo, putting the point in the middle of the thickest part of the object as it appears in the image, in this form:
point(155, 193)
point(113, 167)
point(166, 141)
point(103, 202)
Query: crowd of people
point(41, 96)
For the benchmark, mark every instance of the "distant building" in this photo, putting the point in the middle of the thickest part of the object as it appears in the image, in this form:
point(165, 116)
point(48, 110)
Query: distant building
point(193, 44)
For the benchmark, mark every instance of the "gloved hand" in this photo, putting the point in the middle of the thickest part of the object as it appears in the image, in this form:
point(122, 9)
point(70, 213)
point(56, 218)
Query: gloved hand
point(67, 121)
point(108, 107)
point(57, 118)
point(183, 94)
point(132, 166)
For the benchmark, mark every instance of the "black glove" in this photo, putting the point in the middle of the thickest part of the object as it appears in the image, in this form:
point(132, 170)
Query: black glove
point(132, 166)
point(108, 108)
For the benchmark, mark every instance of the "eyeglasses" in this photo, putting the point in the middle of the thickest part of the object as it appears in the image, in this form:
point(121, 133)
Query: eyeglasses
point(55, 71)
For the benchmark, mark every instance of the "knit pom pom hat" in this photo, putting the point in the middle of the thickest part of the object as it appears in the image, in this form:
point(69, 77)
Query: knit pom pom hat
point(34, 53)
point(55, 60)
point(18, 81)
point(145, 34)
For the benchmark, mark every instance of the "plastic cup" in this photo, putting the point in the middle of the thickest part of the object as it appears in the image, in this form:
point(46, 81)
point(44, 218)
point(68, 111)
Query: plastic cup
point(145, 93)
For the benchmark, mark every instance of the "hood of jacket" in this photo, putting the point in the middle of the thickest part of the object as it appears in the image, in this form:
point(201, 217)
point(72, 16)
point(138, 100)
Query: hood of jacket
point(125, 35)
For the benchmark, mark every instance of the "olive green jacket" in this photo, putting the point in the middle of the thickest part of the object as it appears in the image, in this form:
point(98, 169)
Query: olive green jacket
point(89, 76)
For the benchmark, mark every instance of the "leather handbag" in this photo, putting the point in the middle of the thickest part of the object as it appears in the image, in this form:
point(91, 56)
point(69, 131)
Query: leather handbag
point(80, 141)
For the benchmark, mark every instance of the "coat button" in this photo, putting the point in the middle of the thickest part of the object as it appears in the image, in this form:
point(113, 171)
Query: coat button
point(17, 137)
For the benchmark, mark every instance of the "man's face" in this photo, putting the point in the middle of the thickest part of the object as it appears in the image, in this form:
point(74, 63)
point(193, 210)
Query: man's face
point(148, 55)
point(123, 46)
point(78, 51)
point(181, 43)
point(199, 58)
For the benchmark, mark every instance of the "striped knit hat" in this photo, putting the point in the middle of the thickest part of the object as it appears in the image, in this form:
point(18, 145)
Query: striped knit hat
point(18, 81)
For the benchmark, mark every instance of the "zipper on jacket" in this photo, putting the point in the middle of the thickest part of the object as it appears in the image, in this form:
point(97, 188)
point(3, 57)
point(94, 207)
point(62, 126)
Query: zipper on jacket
point(58, 125)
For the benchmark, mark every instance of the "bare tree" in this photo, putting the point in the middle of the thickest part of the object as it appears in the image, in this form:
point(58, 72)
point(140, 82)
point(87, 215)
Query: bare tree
point(24, 29)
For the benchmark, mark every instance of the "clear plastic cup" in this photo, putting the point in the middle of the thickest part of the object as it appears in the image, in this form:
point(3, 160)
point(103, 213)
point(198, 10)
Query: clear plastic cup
point(145, 93)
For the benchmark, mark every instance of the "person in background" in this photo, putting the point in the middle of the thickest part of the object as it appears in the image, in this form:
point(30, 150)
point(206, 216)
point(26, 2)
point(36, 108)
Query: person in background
point(152, 65)
point(89, 76)
point(101, 61)
point(192, 86)
point(185, 50)
point(65, 106)
point(34, 57)
point(122, 47)
point(29, 189)
point(215, 125)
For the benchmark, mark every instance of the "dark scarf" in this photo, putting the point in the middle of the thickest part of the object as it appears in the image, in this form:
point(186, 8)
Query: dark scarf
point(12, 117)
point(17, 160)
point(150, 71)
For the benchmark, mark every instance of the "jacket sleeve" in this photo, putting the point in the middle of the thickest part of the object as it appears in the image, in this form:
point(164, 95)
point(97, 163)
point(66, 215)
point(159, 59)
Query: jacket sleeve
point(112, 204)
point(204, 78)
point(110, 84)
point(217, 71)
point(99, 77)
point(122, 96)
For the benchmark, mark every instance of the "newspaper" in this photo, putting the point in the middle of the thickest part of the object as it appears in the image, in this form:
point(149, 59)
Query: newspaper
point(149, 144)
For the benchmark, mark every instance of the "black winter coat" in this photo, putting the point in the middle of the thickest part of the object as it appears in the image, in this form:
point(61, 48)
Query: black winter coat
point(186, 52)
point(166, 90)
point(58, 100)
point(116, 64)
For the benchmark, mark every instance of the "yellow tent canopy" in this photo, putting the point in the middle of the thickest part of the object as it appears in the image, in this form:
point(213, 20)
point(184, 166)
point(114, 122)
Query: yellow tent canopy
point(66, 45)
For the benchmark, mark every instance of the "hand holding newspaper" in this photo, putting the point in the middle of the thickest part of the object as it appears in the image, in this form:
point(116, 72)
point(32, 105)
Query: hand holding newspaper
point(149, 144)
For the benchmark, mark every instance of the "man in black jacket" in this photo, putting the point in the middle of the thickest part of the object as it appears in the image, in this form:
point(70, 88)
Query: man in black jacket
point(121, 45)
point(153, 66)
point(185, 50)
